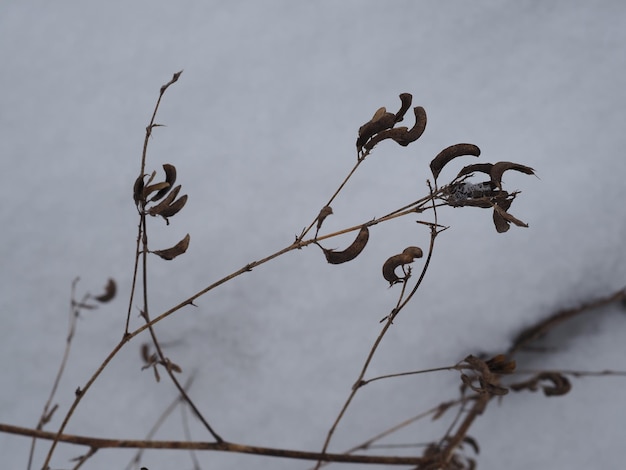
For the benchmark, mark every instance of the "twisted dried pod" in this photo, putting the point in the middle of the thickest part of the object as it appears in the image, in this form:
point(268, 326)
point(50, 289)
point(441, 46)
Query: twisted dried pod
point(406, 99)
point(170, 178)
point(324, 212)
point(450, 153)
point(402, 135)
point(174, 208)
point(480, 167)
point(138, 190)
point(499, 168)
point(407, 256)
point(354, 250)
point(380, 121)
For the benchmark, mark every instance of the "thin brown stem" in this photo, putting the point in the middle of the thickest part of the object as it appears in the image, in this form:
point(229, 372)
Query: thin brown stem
point(223, 446)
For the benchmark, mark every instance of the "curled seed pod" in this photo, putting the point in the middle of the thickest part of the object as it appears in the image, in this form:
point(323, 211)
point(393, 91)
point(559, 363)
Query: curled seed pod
point(407, 256)
point(401, 135)
point(176, 250)
point(501, 224)
point(380, 121)
point(138, 189)
point(109, 292)
point(508, 217)
point(480, 167)
point(417, 130)
point(499, 168)
point(174, 208)
point(165, 203)
point(156, 187)
point(354, 250)
point(450, 153)
point(396, 134)
point(170, 178)
point(406, 99)
point(325, 212)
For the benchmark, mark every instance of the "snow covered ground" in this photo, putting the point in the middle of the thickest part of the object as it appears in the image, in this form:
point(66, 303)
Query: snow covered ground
point(261, 127)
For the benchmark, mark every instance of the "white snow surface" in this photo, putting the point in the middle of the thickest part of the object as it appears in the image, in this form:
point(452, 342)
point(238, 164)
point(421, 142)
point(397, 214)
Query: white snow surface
point(261, 128)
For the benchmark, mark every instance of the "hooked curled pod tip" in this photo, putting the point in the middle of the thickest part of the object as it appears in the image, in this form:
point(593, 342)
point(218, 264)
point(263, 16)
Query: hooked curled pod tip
point(407, 256)
point(354, 250)
point(450, 153)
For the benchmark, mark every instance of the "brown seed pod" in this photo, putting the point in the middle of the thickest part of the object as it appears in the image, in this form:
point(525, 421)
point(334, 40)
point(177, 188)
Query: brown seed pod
point(354, 250)
point(450, 153)
point(165, 203)
point(417, 130)
point(480, 167)
point(507, 217)
point(407, 256)
point(170, 178)
point(176, 250)
point(109, 292)
point(380, 121)
point(175, 207)
point(499, 168)
point(401, 135)
point(325, 212)
point(406, 99)
point(138, 189)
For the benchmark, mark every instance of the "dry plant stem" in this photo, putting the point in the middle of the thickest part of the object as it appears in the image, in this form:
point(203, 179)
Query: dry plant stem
point(144, 154)
point(332, 198)
point(83, 458)
point(146, 316)
point(367, 444)
point(224, 446)
point(46, 414)
point(394, 313)
point(404, 374)
point(477, 409)
point(250, 266)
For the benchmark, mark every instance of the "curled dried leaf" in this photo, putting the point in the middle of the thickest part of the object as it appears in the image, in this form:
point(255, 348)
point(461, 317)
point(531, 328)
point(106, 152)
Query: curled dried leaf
point(499, 168)
point(109, 292)
point(354, 250)
point(170, 178)
point(450, 153)
point(407, 256)
point(176, 250)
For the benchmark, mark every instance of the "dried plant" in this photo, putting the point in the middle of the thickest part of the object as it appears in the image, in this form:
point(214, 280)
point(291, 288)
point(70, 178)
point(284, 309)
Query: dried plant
point(481, 379)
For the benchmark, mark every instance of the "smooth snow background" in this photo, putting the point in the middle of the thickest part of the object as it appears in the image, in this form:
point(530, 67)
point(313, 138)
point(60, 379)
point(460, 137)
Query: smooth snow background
point(261, 127)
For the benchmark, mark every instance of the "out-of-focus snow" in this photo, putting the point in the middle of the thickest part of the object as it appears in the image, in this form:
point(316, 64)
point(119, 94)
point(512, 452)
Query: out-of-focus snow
point(261, 127)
